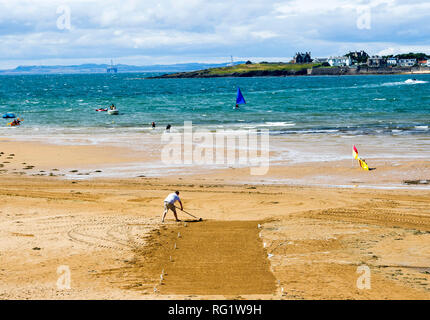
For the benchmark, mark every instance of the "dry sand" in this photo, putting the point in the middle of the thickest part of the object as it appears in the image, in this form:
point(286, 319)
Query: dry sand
point(256, 241)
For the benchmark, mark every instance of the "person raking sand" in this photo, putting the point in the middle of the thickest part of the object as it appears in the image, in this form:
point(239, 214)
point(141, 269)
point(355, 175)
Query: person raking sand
point(169, 203)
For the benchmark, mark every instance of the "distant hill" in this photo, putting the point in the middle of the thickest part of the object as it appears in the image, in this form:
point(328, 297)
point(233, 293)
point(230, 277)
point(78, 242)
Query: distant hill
point(101, 68)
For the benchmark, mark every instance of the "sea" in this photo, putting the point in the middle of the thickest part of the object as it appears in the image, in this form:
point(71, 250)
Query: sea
point(317, 118)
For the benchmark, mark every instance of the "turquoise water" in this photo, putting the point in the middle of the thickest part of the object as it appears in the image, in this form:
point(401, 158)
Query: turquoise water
point(349, 105)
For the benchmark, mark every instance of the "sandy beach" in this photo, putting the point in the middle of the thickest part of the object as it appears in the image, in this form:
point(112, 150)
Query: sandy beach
point(258, 239)
point(288, 142)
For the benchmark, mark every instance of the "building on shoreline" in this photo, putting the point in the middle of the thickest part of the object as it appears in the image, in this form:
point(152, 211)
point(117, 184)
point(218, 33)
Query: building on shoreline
point(376, 62)
point(358, 57)
point(391, 62)
point(407, 62)
point(302, 57)
point(320, 60)
point(343, 61)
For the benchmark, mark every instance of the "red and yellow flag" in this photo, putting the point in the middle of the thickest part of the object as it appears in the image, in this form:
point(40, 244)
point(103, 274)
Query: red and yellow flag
point(355, 152)
point(361, 162)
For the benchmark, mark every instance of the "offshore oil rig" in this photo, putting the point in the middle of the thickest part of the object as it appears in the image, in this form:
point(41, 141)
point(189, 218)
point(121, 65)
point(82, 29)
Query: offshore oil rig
point(111, 68)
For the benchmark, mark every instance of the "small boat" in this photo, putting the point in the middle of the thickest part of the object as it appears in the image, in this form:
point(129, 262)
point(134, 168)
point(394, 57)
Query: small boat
point(101, 109)
point(413, 81)
point(9, 115)
point(113, 112)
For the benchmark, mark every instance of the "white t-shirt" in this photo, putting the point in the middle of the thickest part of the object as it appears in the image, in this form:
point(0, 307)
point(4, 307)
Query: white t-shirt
point(172, 198)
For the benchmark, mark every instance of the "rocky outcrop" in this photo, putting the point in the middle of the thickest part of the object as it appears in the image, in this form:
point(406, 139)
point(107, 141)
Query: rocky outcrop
point(250, 73)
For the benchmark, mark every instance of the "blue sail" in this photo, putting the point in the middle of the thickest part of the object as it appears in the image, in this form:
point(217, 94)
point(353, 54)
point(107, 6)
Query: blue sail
point(240, 99)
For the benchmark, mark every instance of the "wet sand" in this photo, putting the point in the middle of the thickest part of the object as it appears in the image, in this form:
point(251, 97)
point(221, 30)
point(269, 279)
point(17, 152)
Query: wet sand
point(108, 161)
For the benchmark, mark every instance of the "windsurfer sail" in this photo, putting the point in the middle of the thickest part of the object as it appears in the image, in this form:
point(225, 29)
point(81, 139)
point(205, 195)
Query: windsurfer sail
point(239, 99)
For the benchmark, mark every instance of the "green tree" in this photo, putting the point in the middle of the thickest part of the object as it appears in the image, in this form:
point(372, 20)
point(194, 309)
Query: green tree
point(358, 56)
point(412, 55)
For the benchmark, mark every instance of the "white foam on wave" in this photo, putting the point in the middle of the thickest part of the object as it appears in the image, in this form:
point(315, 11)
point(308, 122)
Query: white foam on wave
point(406, 82)
point(413, 81)
point(313, 131)
point(277, 124)
point(421, 127)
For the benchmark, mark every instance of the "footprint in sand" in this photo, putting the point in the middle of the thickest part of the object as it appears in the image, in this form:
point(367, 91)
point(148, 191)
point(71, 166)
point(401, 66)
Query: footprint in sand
point(73, 171)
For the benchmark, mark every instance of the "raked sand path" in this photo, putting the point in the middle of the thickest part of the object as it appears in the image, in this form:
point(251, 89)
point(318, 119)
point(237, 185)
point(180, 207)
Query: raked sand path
point(209, 258)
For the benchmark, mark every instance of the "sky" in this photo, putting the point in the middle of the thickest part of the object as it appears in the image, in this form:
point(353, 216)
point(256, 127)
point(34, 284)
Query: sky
point(146, 32)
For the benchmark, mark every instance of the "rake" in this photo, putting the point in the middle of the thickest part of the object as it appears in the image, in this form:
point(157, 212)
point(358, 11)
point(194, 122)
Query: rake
point(199, 219)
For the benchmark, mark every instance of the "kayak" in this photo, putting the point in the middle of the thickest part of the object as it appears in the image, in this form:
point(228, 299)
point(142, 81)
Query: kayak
point(9, 115)
point(101, 109)
point(113, 112)
point(15, 124)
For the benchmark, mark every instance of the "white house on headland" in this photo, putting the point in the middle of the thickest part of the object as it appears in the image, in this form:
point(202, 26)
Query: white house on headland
point(392, 62)
point(320, 60)
point(407, 62)
point(340, 61)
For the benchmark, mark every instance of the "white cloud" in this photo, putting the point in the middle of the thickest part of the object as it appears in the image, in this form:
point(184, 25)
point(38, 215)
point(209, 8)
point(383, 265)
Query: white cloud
point(264, 34)
point(403, 49)
point(205, 30)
